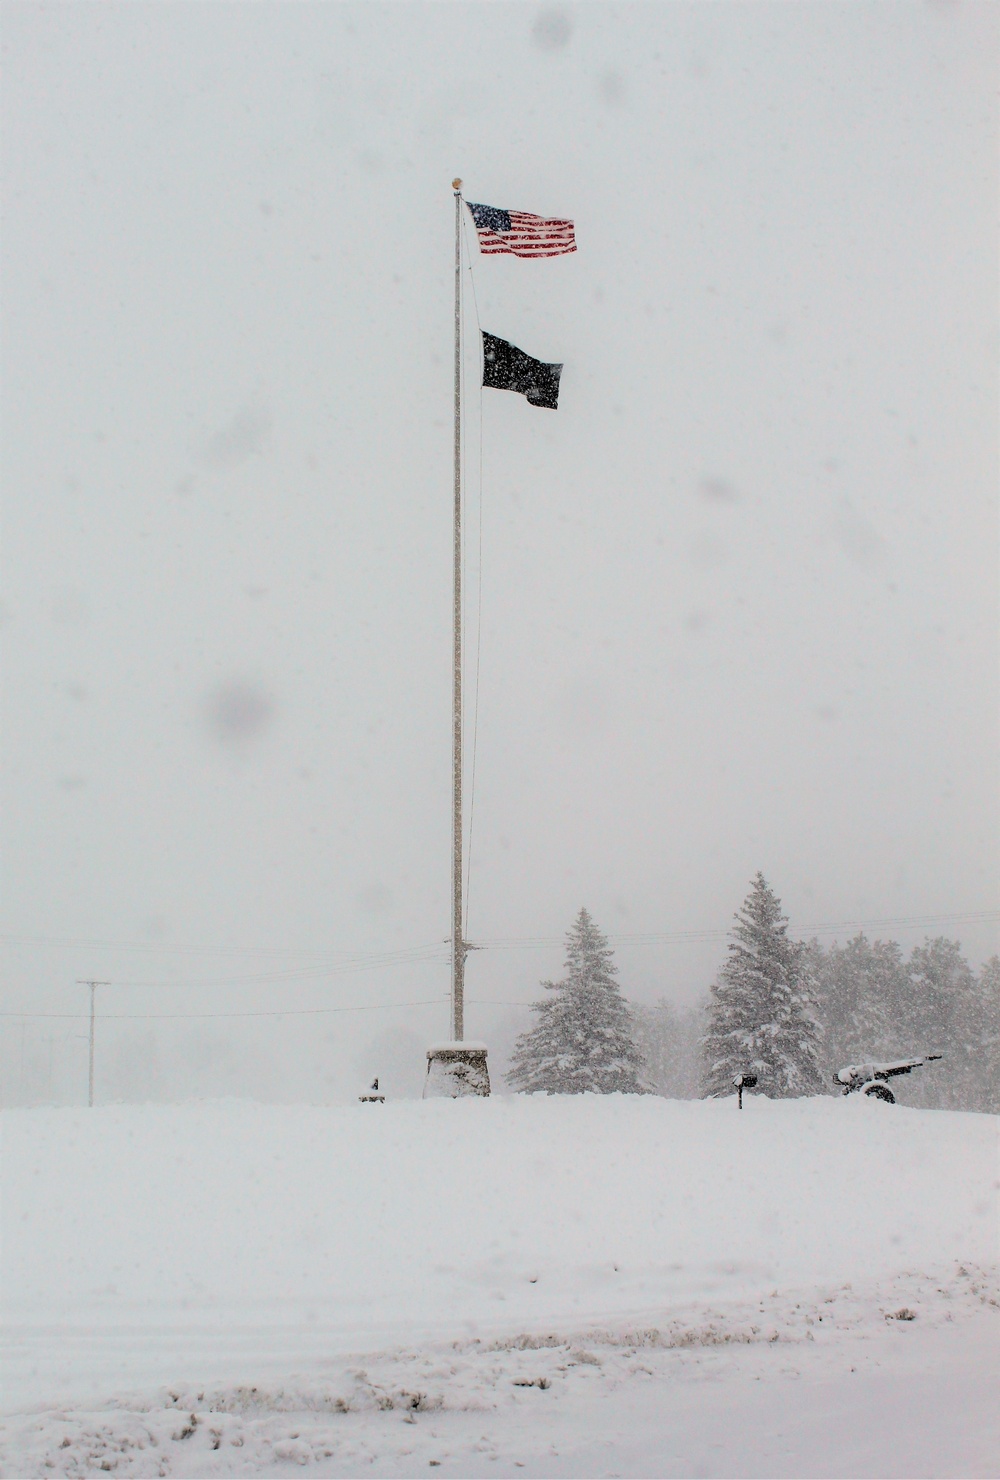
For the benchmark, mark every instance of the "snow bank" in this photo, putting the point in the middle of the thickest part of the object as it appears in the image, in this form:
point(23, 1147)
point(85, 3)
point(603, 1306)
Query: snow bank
point(352, 1227)
point(897, 1381)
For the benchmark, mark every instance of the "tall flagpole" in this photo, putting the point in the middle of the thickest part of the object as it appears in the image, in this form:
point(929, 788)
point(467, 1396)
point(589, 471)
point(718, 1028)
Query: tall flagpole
point(455, 1069)
point(458, 947)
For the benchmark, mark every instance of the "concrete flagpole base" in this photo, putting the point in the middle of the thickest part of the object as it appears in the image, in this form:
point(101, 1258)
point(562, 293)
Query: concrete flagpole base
point(455, 1070)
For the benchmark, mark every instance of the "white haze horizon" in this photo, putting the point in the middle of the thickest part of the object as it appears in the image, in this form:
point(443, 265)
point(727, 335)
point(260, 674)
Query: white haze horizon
point(732, 607)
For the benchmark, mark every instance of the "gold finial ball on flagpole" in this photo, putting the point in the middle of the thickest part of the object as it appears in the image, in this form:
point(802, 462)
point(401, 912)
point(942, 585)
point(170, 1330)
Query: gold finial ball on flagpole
point(456, 184)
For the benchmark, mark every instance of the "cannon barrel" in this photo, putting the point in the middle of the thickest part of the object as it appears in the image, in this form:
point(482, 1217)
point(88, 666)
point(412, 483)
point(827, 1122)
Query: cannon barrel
point(854, 1076)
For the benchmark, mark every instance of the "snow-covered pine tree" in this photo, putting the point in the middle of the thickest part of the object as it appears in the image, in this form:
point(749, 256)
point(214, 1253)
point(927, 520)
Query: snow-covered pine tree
point(760, 1011)
point(988, 1037)
point(583, 1037)
point(860, 985)
point(935, 1014)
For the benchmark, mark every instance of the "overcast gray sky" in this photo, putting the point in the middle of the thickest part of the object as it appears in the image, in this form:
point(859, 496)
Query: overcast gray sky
point(738, 594)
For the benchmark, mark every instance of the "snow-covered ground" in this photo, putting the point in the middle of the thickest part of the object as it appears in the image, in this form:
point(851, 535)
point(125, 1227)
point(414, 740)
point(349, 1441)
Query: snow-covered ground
point(566, 1286)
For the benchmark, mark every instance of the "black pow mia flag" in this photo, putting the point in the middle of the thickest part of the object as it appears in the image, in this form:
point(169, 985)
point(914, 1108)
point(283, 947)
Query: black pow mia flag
point(507, 368)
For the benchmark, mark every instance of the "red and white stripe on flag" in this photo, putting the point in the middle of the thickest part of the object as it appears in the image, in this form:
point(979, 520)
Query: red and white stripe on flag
point(529, 236)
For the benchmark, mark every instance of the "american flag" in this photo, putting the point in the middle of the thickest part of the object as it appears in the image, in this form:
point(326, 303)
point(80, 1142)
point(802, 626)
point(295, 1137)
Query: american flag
point(520, 233)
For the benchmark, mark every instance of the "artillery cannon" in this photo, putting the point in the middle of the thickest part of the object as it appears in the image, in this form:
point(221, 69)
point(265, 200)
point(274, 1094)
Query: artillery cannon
point(871, 1079)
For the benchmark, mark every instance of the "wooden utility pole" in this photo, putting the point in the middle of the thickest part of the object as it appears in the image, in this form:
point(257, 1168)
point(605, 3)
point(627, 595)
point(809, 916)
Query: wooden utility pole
point(93, 992)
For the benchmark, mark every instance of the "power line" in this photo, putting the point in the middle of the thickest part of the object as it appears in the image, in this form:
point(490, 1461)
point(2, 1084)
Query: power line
point(434, 954)
point(353, 961)
point(156, 947)
point(270, 1012)
point(329, 960)
point(437, 954)
point(680, 937)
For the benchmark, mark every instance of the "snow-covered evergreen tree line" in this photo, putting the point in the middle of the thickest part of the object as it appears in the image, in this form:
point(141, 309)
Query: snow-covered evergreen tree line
point(793, 1013)
point(875, 1003)
point(788, 1011)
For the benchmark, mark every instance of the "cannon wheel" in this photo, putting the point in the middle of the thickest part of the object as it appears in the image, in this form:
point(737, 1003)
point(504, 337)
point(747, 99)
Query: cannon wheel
point(879, 1091)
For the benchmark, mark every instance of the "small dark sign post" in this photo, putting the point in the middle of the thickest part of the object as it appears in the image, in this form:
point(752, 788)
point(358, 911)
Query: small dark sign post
point(372, 1097)
point(742, 1082)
